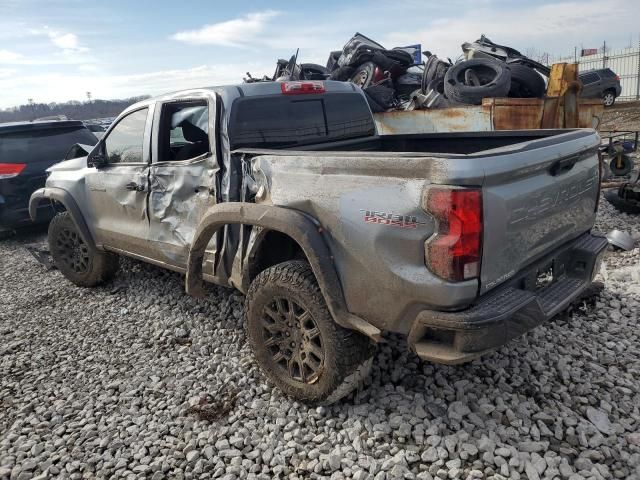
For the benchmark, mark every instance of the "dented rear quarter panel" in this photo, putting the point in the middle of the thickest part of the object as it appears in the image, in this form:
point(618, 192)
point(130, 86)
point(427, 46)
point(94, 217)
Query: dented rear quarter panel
point(369, 203)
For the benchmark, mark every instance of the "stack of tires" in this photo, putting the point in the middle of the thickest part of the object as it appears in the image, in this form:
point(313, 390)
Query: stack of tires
point(469, 81)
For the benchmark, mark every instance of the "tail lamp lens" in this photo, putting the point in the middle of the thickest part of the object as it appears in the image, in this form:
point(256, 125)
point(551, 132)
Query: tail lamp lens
point(299, 88)
point(454, 251)
point(10, 170)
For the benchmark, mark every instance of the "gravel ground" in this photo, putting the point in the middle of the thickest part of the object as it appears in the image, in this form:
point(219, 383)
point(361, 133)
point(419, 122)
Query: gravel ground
point(137, 380)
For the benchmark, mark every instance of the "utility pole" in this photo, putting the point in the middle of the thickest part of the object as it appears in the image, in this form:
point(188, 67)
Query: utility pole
point(575, 54)
point(604, 54)
point(33, 108)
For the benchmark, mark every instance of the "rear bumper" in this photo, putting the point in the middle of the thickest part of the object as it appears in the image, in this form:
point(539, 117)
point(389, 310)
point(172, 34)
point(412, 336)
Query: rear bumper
point(511, 309)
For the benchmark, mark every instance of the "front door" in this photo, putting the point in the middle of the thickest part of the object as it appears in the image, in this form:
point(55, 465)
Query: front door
point(118, 191)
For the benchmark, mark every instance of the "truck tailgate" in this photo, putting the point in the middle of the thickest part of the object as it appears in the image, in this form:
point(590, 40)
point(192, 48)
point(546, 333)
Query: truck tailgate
point(535, 199)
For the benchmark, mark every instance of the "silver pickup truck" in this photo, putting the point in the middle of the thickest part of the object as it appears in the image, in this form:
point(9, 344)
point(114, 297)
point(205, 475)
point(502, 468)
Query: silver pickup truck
point(335, 234)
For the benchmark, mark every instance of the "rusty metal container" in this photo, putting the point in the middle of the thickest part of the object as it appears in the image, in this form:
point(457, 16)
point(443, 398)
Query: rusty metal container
point(561, 108)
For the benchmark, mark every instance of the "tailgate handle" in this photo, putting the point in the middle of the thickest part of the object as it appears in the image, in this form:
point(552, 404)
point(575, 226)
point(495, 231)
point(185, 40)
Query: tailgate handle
point(562, 166)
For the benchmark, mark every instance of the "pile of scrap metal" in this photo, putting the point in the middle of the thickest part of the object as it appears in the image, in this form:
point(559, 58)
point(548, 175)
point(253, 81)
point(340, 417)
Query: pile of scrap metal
point(626, 197)
point(399, 79)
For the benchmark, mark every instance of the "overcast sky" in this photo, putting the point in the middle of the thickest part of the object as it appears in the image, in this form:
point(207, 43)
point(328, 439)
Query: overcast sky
point(58, 50)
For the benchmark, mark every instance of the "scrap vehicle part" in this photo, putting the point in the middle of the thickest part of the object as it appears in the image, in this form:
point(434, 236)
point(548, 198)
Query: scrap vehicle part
point(342, 74)
point(407, 83)
point(485, 48)
point(363, 75)
point(620, 239)
point(313, 71)
point(621, 164)
point(526, 82)
point(494, 81)
point(296, 225)
point(434, 69)
point(380, 98)
point(626, 198)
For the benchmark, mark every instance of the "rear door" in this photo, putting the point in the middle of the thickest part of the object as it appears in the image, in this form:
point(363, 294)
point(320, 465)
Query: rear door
point(536, 199)
point(182, 175)
point(118, 191)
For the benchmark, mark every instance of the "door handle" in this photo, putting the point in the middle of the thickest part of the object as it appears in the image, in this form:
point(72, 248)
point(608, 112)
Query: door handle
point(562, 166)
point(133, 186)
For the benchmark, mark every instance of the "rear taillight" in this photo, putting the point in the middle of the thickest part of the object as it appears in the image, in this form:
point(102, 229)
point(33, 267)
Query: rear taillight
point(9, 170)
point(299, 88)
point(454, 251)
point(618, 77)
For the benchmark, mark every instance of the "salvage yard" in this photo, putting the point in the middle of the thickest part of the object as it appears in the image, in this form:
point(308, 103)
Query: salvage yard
point(113, 382)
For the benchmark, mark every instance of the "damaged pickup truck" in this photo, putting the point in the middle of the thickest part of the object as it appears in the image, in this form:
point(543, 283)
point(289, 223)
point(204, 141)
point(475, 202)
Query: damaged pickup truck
point(336, 234)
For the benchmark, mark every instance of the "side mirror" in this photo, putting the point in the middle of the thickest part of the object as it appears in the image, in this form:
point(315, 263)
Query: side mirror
point(97, 157)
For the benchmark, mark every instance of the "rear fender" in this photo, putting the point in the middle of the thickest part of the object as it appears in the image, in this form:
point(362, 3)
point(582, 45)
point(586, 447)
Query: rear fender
point(292, 223)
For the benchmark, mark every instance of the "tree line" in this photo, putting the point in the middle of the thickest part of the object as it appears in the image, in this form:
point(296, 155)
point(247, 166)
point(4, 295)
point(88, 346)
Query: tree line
point(73, 110)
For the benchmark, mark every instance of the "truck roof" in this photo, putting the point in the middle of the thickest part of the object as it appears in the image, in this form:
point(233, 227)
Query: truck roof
point(230, 92)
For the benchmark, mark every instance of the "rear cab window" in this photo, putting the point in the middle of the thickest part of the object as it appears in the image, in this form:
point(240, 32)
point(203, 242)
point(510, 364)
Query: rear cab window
point(279, 121)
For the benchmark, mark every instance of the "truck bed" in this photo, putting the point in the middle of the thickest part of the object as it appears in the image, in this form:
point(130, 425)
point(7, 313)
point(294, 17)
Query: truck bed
point(539, 191)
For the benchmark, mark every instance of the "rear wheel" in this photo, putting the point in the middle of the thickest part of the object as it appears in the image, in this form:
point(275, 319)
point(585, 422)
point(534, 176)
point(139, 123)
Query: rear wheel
point(80, 264)
point(608, 98)
point(295, 340)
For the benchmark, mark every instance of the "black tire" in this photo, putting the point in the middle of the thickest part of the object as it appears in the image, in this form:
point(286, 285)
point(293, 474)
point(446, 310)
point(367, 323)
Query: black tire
point(363, 75)
point(608, 98)
point(626, 165)
point(296, 342)
point(494, 77)
point(77, 262)
point(342, 74)
point(526, 82)
point(621, 204)
point(313, 71)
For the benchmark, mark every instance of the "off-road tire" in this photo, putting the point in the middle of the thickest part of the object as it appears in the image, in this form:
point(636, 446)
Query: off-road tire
point(80, 264)
point(347, 354)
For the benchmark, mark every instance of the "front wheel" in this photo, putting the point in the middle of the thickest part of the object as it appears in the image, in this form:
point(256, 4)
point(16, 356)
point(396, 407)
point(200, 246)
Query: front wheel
point(80, 264)
point(295, 340)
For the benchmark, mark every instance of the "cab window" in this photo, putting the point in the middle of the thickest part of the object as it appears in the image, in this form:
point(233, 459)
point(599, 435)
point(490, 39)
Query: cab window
point(124, 144)
point(184, 130)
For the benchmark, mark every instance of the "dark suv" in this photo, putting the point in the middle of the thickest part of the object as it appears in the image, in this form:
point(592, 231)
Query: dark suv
point(602, 83)
point(27, 149)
